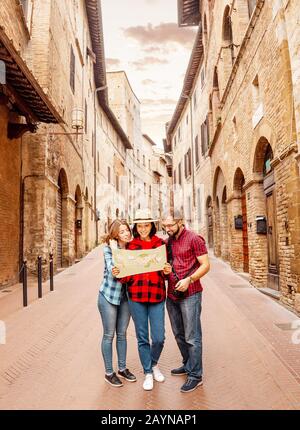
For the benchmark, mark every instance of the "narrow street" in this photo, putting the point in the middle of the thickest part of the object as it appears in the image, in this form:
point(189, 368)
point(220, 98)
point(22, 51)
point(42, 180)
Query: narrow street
point(51, 359)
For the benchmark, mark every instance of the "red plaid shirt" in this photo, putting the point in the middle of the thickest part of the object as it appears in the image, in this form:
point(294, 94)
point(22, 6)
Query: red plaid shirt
point(185, 251)
point(146, 287)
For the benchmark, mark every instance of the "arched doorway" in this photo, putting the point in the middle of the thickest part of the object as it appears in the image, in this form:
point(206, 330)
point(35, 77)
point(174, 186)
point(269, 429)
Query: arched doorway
point(209, 222)
point(224, 226)
point(240, 210)
point(61, 211)
point(263, 166)
point(221, 234)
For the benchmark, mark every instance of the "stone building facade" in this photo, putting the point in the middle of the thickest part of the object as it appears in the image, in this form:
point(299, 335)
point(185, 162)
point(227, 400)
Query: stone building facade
point(249, 67)
point(23, 105)
point(145, 177)
point(64, 168)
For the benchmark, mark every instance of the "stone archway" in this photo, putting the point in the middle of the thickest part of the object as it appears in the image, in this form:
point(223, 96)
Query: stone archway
point(266, 240)
point(224, 236)
point(240, 247)
point(221, 235)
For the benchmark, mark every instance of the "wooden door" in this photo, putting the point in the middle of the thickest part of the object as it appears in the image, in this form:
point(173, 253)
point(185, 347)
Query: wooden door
point(59, 228)
point(273, 266)
point(76, 233)
point(245, 235)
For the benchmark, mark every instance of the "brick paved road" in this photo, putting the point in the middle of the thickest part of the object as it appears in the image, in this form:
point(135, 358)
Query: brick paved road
point(52, 359)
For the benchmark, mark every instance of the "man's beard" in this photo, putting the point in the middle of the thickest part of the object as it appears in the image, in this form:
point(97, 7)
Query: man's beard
point(173, 233)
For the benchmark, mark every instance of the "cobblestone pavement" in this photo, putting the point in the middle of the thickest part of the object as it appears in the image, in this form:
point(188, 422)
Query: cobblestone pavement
point(51, 359)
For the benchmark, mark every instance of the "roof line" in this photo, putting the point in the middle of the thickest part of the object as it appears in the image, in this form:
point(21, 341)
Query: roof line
point(94, 14)
point(28, 75)
point(189, 80)
point(123, 71)
point(149, 139)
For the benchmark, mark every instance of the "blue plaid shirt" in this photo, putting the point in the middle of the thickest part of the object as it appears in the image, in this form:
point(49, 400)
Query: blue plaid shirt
point(111, 288)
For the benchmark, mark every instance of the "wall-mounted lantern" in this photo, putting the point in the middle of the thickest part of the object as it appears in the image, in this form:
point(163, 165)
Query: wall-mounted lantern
point(77, 119)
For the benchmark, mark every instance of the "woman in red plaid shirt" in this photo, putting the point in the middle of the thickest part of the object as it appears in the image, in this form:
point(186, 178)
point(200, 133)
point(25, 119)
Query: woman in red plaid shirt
point(146, 298)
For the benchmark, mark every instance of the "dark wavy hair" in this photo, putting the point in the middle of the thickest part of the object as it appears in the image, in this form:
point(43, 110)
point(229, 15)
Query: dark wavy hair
point(151, 234)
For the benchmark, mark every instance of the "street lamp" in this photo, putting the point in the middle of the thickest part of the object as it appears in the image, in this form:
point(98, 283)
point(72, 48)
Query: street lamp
point(103, 87)
point(188, 97)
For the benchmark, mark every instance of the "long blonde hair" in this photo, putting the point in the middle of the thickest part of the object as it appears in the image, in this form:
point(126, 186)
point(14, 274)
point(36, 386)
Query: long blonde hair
point(113, 230)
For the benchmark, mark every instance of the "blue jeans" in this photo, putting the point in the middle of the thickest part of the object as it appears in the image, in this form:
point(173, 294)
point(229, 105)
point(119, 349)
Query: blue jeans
point(142, 314)
point(186, 325)
point(114, 319)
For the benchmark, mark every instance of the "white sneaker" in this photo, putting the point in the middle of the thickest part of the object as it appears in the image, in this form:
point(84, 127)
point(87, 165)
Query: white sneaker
point(158, 376)
point(148, 383)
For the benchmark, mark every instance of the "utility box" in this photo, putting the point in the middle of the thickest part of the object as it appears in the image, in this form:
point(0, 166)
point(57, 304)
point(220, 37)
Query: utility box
point(238, 222)
point(261, 225)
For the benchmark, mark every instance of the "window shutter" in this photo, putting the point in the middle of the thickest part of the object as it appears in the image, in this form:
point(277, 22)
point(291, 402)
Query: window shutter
point(196, 150)
point(72, 70)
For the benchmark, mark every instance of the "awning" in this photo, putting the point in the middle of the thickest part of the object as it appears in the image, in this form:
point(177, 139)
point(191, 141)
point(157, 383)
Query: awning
point(30, 98)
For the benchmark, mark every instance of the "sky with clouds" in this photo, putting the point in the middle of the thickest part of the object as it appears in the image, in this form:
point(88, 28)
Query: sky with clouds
point(142, 38)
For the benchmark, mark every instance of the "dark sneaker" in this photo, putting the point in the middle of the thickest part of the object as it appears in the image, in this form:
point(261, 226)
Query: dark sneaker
point(126, 374)
point(113, 380)
point(180, 371)
point(191, 385)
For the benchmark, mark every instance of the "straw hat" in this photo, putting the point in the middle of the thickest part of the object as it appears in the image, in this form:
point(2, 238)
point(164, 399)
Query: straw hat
point(143, 215)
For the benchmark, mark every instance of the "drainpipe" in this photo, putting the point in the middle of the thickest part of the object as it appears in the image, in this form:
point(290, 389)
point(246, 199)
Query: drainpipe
point(95, 160)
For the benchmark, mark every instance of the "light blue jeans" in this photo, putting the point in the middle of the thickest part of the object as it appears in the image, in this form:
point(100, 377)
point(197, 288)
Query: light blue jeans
point(186, 326)
point(115, 319)
point(142, 315)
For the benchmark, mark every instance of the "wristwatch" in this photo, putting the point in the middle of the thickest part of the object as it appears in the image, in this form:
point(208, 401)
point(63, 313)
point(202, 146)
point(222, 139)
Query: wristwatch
point(191, 280)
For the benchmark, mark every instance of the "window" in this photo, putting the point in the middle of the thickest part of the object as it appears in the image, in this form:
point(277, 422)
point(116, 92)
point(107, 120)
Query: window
point(257, 104)
point(255, 93)
point(175, 142)
point(195, 98)
point(144, 161)
point(85, 117)
point(187, 119)
point(179, 135)
point(251, 7)
point(24, 4)
point(72, 70)
point(108, 174)
point(196, 151)
point(179, 174)
point(98, 162)
point(267, 160)
point(234, 127)
point(204, 137)
point(117, 183)
point(174, 176)
point(199, 205)
point(188, 164)
point(202, 76)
